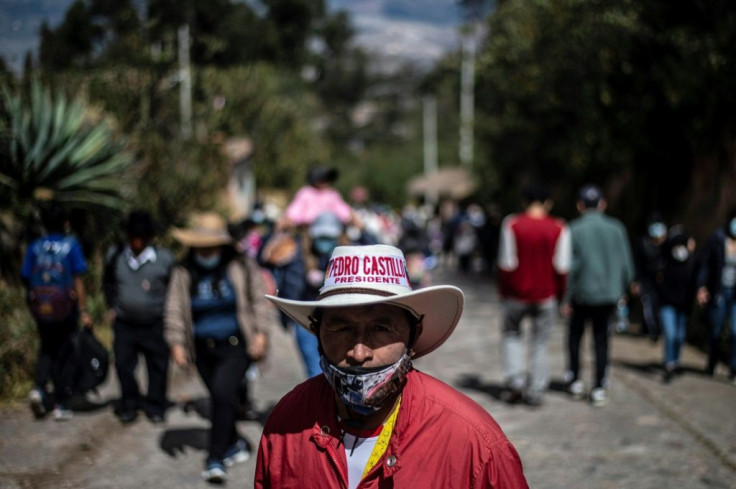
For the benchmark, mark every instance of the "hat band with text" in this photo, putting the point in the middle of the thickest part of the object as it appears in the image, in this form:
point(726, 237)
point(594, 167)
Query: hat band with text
point(366, 270)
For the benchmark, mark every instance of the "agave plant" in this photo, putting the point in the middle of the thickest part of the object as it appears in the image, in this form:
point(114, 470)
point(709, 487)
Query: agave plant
point(49, 149)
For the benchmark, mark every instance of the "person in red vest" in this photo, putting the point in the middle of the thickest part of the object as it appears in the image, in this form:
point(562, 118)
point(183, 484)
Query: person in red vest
point(534, 259)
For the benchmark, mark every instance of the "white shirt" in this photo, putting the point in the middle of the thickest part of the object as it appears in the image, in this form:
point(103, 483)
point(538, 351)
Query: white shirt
point(357, 451)
point(135, 262)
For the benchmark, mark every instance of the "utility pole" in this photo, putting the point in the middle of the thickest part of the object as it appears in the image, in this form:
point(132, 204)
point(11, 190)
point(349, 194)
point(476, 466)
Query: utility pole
point(429, 106)
point(467, 97)
point(185, 83)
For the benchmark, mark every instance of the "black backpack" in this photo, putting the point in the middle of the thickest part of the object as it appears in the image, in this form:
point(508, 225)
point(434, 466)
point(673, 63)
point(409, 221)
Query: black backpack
point(89, 363)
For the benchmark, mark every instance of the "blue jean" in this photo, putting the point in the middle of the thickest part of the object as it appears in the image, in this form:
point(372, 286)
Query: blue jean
point(674, 326)
point(722, 306)
point(309, 349)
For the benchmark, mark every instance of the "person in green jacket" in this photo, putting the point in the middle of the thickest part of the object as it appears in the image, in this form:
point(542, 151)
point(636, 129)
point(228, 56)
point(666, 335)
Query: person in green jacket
point(602, 270)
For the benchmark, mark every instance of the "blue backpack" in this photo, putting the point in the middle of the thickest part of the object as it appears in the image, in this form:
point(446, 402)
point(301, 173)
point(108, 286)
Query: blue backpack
point(51, 286)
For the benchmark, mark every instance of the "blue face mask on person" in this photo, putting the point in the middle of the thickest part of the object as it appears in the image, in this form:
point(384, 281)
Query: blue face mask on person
point(732, 228)
point(324, 246)
point(207, 262)
point(657, 230)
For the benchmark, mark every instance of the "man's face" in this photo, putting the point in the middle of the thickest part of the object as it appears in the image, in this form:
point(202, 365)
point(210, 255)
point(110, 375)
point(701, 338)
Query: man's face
point(364, 336)
point(138, 243)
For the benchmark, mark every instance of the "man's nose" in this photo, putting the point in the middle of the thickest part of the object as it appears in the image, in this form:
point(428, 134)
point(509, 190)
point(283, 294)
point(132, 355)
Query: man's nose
point(360, 353)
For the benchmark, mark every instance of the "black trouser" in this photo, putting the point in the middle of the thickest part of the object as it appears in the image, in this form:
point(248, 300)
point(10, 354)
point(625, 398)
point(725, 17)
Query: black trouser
point(131, 340)
point(599, 316)
point(222, 365)
point(55, 349)
point(651, 310)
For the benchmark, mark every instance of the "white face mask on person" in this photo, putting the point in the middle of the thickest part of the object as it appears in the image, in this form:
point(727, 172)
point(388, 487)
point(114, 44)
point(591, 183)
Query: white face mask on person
point(366, 390)
point(208, 262)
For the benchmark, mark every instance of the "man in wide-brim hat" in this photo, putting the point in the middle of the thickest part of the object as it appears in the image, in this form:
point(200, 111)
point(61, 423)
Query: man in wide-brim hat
point(372, 419)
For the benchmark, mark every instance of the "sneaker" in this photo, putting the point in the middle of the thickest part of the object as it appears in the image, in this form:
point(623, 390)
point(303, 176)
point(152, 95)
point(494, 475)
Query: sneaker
point(215, 472)
point(62, 414)
point(156, 418)
point(127, 417)
point(669, 373)
point(238, 453)
point(35, 400)
point(534, 399)
point(512, 396)
point(598, 396)
point(577, 389)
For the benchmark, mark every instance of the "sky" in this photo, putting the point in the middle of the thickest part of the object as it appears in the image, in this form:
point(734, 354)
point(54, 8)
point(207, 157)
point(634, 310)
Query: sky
point(396, 30)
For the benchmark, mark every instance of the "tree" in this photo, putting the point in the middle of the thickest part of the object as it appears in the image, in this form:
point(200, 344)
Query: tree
point(630, 94)
point(93, 31)
point(53, 148)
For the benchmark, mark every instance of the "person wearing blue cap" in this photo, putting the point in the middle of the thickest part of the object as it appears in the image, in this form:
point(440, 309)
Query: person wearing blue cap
point(601, 273)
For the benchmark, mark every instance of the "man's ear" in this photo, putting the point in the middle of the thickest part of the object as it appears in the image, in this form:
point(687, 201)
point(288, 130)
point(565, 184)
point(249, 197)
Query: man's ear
point(314, 326)
point(418, 328)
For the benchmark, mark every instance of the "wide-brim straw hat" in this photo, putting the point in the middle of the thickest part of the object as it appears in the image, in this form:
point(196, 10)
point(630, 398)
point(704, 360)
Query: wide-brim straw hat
point(280, 249)
point(204, 230)
point(376, 274)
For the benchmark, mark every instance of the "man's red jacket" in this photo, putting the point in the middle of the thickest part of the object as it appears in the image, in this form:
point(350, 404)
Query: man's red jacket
point(442, 439)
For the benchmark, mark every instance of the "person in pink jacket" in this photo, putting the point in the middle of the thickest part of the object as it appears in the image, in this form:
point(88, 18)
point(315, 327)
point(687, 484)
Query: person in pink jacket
point(372, 420)
point(318, 197)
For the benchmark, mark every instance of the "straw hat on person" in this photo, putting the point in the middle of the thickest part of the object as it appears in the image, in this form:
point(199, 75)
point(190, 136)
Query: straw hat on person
point(280, 249)
point(376, 274)
point(204, 230)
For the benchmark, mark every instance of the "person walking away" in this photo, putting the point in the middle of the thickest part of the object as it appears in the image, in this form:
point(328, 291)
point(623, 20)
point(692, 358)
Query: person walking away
point(717, 290)
point(649, 260)
point(601, 274)
point(414, 243)
point(533, 261)
point(216, 317)
point(52, 274)
point(678, 295)
point(368, 421)
point(135, 281)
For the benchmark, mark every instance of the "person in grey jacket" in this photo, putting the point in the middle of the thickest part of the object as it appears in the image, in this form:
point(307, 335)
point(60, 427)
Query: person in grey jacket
point(135, 281)
point(602, 271)
point(217, 318)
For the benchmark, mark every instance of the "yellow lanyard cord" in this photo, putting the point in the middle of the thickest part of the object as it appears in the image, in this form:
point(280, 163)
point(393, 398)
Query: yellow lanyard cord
point(382, 443)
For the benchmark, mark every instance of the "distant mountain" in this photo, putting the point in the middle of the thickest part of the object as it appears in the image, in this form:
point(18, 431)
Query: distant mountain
point(419, 31)
point(395, 30)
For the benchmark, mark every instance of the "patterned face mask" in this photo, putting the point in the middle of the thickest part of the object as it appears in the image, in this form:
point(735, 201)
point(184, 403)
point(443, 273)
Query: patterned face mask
point(365, 390)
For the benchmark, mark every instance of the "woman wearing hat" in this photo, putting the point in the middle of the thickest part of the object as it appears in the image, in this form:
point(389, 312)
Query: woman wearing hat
point(215, 319)
point(372, 420)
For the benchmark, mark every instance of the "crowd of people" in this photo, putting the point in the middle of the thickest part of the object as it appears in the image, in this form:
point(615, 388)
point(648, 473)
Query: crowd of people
point(587, 269)
point(354, 287)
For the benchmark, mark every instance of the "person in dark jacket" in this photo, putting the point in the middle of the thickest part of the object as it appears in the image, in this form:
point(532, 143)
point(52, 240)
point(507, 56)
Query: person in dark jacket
point(135, 282)
point(677, 294)
point(648, 260)
point(717, 289)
